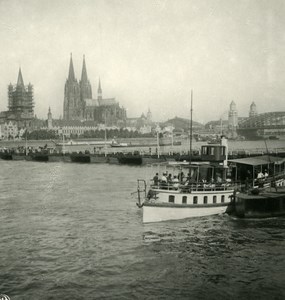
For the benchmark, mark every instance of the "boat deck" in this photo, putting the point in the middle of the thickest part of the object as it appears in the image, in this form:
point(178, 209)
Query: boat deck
point(272, 193)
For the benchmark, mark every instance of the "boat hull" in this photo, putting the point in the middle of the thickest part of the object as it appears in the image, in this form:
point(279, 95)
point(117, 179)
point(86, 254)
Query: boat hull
point(18, 156)
point(149, 159)
point(162, 212)
point(80, 158)
point(98, 158)
point(112, 160)
point(164, 205)
point(39, 157)
point(6, 156)
point(59, 158)
point(130, 159)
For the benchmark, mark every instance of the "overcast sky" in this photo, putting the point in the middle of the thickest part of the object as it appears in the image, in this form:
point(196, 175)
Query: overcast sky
point(149, 54)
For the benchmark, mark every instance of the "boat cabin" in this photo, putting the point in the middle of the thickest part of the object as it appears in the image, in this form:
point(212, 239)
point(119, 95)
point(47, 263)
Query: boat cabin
point(213, 153)
point(257, 169)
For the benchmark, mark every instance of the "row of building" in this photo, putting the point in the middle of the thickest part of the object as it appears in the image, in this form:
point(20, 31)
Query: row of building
point(83, 112)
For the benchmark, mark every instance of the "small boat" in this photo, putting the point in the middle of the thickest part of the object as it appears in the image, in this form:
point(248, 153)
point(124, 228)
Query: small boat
point(273, 137)
point(117, 144)
point(205, 191)
point(82, 143)
point(179, 201)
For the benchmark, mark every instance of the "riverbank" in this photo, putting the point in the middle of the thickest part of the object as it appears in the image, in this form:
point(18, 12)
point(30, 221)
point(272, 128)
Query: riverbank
point(149, 146)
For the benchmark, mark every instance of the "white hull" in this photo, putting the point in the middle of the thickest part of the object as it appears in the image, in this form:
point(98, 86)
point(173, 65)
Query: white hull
point(153, 213)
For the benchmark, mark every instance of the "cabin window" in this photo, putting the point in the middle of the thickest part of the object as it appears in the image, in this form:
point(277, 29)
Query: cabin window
point(195, 199)
point(184, 199)
point(214, 199)
point(212, 150)
point(223, 198)
point(171, 199)
point(205, 199)
point(204, 150)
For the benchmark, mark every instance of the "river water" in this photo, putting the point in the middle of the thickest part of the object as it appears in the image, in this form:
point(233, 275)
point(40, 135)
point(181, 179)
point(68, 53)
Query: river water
point(73, 231)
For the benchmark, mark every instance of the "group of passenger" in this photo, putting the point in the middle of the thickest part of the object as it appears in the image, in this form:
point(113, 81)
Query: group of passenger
point(261, 175)
point(167, 181)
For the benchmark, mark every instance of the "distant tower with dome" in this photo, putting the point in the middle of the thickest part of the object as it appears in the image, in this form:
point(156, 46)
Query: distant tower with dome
point(232, 121)
point(253, 110)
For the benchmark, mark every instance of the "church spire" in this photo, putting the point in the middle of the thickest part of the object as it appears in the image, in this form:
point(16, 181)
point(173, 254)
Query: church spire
point(71, 75)
point(84, 77)
point(20, 81)
point(99, 87)
point(99, 92)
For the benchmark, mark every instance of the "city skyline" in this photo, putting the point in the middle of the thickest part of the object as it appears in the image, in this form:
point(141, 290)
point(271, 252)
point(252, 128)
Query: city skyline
point(150, 54)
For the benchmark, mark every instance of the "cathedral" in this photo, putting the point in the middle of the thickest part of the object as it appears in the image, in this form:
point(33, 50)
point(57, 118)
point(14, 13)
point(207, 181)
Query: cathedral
point(80, 105)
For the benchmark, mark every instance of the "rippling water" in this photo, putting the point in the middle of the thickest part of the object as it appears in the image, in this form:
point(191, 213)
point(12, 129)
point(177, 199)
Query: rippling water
point(72, 231)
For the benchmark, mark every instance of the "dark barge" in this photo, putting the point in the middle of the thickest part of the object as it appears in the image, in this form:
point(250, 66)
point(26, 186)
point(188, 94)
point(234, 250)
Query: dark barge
point(267, 203)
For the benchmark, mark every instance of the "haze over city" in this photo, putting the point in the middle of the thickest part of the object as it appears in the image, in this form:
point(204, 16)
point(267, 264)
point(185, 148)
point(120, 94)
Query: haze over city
point(149, 54)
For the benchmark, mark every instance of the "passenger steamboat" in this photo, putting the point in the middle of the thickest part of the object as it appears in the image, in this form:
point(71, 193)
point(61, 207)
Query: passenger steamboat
point(192, 189)
point(246, 187)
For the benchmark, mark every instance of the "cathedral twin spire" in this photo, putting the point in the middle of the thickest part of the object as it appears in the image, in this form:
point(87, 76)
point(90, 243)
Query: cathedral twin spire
point(84, 78)
point(71, 74)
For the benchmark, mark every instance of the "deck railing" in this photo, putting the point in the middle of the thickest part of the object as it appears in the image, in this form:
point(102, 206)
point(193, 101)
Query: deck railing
point(196, 187)
point(208, 186)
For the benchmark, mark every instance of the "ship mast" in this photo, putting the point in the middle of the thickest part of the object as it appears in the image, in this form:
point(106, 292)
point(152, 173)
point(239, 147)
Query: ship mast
point(191, 125)
point(26, 142)
point(105, 137)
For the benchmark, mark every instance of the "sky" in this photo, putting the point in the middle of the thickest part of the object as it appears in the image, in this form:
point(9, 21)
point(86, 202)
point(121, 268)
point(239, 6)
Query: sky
point(149, 54)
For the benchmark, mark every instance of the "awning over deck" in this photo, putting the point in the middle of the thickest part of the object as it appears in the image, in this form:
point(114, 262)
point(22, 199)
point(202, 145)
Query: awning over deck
point(258, 160)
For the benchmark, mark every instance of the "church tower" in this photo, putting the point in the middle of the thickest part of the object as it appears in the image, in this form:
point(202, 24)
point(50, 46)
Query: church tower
point(49, 120)
point(232, 121)
point(20, 99)
point(99, 92)
point(72, 106)
point(149, 116)
point(233, 116)
point(85, 86)
point(252, 110)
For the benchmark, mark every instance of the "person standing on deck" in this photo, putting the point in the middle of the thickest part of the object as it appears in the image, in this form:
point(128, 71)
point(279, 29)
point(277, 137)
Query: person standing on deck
point(155, 180)
point(163, 181)
point(175, 182)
